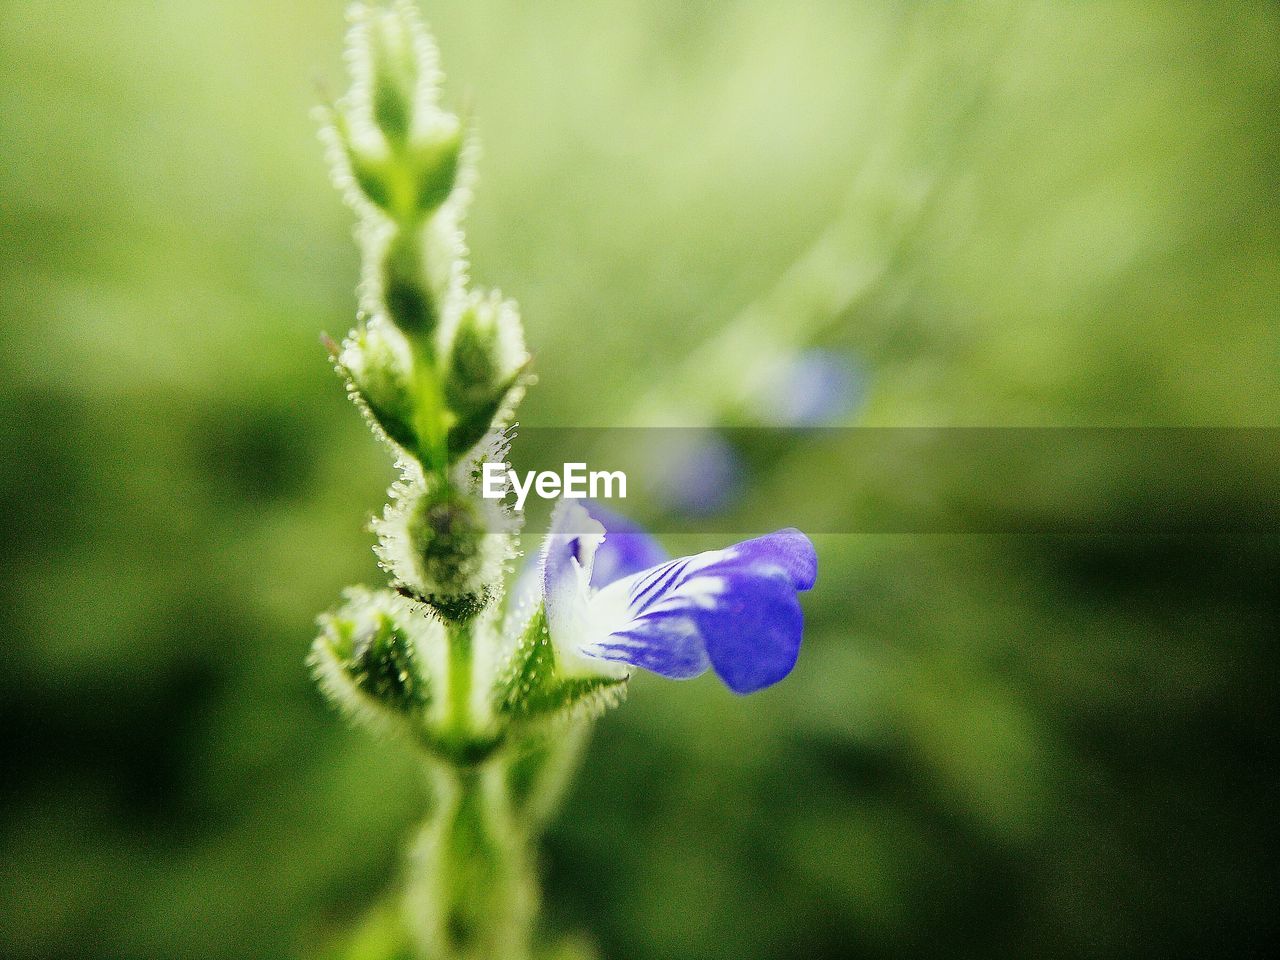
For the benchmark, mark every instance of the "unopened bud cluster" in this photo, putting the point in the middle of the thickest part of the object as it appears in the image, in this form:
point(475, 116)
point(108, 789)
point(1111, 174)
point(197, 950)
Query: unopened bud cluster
point(436, 367)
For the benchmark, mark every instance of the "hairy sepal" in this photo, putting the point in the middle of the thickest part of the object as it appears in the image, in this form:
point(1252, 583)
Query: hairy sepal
point(372, 659)
point(532, 688)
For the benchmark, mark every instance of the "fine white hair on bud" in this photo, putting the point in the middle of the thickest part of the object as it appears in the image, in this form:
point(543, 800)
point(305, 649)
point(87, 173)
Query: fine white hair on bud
point(395, 67)
point(447, 263)
point(378, 660)
point(485, 361)
point(377, 360)
point(441, 544)
point(493, 322)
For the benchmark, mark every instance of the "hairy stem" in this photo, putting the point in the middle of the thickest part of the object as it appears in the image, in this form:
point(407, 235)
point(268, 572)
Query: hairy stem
point(471, 894)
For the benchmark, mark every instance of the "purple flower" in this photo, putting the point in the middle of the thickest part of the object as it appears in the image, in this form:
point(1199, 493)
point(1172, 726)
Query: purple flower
point(735, 610)
point(814, 388)
point(701, 473)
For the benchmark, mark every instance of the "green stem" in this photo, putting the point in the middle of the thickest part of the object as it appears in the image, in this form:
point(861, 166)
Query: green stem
point(461, 663)
point(471, 894)
point(429, 422)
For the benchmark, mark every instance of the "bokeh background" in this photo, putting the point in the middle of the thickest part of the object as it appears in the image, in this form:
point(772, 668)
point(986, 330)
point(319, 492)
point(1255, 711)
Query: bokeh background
point(1012, 214)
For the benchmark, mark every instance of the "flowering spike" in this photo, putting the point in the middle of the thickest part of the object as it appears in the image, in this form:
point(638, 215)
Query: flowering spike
point(406, 164)
point(495, 697)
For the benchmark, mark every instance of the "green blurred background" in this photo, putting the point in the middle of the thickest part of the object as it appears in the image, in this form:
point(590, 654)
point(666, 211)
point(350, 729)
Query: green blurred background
point(1014, 214)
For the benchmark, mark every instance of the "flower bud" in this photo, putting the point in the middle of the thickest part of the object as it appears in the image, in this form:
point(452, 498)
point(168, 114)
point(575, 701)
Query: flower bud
point(434, 159)
point(405, 293)
point(486, 358)
point(361, 163)
point(401, 149)
point(367, 657)
point(391, 51)
point(442, 547)
point(378, 362)
point(407, 184)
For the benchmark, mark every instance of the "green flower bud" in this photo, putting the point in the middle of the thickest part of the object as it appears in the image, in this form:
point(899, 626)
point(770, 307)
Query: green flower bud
point(395, 67)
point(401, 150)
point(367, 658)
point(434, 159)
point(405, 292)
point(442, 546)
point(378, 362)
point(410, 182)
point(361, 163)
point(486, 358)
point(395, 71)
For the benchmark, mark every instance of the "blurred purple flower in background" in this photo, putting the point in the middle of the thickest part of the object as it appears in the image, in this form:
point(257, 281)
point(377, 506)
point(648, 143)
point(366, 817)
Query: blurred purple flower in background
point(701, 472)
point(698, 473)
point(815, 388)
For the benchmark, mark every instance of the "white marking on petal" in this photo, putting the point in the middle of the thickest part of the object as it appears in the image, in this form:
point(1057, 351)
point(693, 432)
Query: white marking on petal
point(576, 615)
